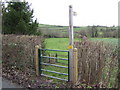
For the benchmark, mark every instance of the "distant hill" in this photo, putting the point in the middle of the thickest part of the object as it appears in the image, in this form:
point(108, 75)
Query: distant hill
point(62, 31)
point(75, 27)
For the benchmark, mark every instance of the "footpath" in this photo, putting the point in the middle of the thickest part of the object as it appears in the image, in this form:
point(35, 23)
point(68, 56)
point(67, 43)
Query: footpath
point(8, 84)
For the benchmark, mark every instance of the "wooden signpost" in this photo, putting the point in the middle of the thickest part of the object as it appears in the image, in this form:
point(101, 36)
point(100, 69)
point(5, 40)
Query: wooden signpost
point(73, 63)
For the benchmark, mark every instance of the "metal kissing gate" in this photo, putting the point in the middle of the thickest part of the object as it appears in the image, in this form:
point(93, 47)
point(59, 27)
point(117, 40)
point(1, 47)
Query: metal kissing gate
point(42, 64)
point(61, 69)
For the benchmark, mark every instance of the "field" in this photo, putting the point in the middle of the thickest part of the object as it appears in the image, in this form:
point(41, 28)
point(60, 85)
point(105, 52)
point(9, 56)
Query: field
point(62, 44)
point(57, 43)
point(112, 41)
point(76, 28)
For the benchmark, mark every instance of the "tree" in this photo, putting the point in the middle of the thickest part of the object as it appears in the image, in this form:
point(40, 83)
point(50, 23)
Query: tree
point(18, 19)
point(94, 31)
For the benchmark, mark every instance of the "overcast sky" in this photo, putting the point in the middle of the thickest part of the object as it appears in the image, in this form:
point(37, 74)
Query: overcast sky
point(89, 12)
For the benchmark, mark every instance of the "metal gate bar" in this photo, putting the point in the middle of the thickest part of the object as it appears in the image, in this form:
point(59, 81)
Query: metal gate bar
point(54, 72)
point(54, 65)
point(54, 77)
point(54, 58)
point(55, 50)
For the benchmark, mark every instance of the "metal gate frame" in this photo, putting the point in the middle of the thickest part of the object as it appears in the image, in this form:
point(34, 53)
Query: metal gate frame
point(40, 64)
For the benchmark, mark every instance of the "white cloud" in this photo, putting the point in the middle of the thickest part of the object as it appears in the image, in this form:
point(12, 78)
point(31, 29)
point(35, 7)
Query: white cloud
point(90, 12)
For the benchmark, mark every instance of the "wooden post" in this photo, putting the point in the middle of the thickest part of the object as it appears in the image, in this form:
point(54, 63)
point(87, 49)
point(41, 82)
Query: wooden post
point(75, 65)
point(37, 60)
point(71, 41)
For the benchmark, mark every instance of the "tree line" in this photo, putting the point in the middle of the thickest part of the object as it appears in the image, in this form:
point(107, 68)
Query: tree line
point(17, 18)
point(99, 31)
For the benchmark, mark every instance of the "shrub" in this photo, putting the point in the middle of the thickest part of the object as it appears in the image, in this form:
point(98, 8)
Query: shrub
point(19, 51)
point(97, 63)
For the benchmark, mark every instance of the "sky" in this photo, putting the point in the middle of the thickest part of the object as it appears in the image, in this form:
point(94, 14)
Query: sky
point(89, 12)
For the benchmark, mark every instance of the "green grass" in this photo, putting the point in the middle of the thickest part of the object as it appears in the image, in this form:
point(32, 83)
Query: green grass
point(62, 43)
point(57, 43)
point(112, 41)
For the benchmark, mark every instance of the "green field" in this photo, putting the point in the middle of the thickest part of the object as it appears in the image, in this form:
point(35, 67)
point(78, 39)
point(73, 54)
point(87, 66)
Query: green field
point(62, 43)
point(56, 43)
point(112, 41)
point(75, 27)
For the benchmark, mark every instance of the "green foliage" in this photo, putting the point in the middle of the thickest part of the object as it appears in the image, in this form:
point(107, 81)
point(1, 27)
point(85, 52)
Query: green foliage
point(18, 19)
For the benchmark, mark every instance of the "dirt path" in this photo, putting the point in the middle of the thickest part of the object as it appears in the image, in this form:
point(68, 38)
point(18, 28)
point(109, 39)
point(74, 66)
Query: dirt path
point(28, 80)
point(8, 84)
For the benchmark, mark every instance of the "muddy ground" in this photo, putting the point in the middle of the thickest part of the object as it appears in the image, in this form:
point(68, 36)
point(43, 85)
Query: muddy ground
point(29, 80)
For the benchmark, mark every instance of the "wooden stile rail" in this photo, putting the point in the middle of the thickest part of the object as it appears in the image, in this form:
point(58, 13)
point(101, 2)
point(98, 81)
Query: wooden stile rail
point(37, 59)
point(75, 65)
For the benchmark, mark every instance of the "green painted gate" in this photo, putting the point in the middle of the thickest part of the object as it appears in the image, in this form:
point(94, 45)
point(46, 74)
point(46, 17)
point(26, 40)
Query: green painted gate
point(55, 70)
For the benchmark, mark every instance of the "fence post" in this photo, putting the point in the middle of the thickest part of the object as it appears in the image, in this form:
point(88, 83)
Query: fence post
point(37, 60)
point(71, 40)
point(75, 65)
